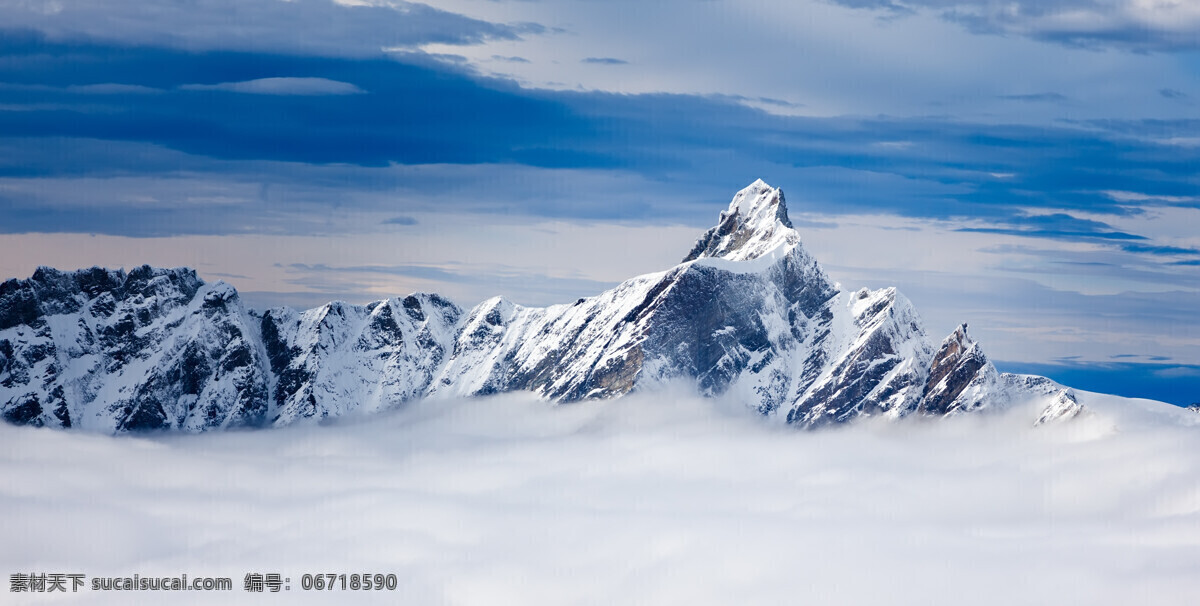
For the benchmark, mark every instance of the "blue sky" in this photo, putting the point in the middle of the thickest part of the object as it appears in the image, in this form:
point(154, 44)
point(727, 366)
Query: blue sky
point(1030, 168)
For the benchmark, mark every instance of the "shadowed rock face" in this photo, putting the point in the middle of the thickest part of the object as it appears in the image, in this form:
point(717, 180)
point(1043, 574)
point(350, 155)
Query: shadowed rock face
point(748, 312)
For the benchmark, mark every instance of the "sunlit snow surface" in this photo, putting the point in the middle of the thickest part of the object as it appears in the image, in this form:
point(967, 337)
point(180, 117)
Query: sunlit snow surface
point(656, 498)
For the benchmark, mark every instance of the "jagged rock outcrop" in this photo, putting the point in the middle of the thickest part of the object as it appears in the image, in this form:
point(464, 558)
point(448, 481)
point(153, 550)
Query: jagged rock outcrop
point(961, 378)
point(151, 349)
point(748, 312)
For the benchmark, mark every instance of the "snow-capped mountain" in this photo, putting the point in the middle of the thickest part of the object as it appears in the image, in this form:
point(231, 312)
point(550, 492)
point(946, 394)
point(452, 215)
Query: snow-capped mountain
point(748, 312)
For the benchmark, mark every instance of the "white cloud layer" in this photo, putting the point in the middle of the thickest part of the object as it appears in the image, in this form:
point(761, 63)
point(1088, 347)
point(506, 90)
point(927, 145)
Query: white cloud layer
point(657, 498)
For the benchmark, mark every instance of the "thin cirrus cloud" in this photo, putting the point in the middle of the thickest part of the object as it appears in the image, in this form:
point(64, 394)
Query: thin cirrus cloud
point(604, 61)
point(112, 88)
point(1123, 24)
point(329, 28)
point(1059, 226)
point(401, 220)
point(492, 279)
point(282, 86)
point(1036, 97)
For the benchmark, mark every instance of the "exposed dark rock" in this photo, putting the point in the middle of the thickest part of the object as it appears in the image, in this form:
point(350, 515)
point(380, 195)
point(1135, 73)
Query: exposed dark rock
point(18, 304)
point(26, 410)
point(412, 305)
point(145, 414)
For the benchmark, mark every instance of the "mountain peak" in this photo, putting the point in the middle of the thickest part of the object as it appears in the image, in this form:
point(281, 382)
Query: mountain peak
point(755, 223)
point(761, 203)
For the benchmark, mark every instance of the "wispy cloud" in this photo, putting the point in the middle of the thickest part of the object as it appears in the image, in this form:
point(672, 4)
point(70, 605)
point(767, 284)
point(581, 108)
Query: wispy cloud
point(1129, 196)
point(535, 288)
point(401, 220)
point(1055, 225)
point(329, 27)
point(604, 61)
point(1124, 24)
point(282, 86)
point(110, 88)
point(1037, 97)
point(1172, 251)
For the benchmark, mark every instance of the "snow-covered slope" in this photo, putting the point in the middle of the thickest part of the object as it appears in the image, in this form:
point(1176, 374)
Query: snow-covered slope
point(748, 313)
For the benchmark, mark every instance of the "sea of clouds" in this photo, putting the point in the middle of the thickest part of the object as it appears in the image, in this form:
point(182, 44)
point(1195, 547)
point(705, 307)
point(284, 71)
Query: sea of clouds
point(656, 498)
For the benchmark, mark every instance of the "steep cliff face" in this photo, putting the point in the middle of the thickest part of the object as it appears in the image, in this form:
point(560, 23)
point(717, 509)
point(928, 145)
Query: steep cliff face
point(748, 312)
point(341, 358)
point(875, 361)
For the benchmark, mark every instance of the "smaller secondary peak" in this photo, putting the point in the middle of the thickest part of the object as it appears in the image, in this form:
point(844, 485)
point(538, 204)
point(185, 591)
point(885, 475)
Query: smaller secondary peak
point(755, 223)
point(958, 346)
point(959, 343)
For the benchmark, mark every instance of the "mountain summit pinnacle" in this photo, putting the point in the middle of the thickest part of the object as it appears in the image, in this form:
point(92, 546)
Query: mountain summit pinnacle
point(761, 202)
point(755, 223)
